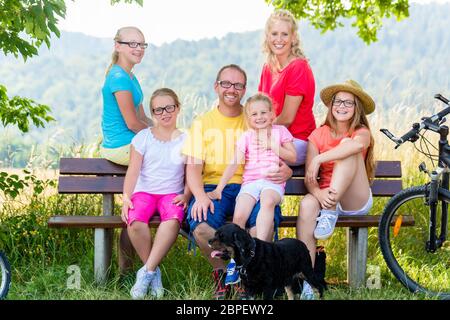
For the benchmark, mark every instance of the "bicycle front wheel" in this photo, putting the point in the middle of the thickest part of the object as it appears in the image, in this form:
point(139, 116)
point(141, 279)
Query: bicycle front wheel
point(404, 247)
point(5, 276)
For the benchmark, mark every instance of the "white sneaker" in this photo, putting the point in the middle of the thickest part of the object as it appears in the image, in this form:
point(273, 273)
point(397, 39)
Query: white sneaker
point(156, 287)
point(325, 224)
point(143, 280)
point(307, 292)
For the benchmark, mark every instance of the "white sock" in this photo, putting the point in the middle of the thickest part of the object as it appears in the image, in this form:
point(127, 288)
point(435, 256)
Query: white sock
point(307, 287)
point(334, 212)
point(148, 271)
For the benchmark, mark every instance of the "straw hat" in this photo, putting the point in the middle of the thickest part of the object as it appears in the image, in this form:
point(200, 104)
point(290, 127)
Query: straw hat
point(348, 86)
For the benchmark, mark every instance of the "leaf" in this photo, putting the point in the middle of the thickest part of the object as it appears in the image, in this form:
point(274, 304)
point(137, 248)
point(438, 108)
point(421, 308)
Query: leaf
point(19, 111)
point(325, 14)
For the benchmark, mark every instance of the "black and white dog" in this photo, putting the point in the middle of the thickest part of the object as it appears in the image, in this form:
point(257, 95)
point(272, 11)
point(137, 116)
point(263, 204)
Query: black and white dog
point(265, 267)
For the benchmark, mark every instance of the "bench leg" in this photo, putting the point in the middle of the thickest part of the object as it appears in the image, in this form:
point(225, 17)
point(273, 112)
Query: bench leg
point(102, 254)
point(357, 239)
point(126, 252)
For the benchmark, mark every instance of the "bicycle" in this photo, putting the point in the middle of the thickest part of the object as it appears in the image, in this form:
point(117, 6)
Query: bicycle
point(419, 255)
point(5, 276)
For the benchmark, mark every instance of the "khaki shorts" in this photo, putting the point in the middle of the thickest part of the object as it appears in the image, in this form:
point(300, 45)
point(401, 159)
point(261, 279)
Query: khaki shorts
point(119, 155)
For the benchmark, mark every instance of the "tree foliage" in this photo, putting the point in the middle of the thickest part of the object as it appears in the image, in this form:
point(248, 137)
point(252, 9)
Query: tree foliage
point(325, 14)
point(18, 111)
point(24, 26)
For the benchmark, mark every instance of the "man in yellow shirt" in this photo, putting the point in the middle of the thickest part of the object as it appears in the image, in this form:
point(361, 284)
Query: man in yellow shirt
point(210, 148)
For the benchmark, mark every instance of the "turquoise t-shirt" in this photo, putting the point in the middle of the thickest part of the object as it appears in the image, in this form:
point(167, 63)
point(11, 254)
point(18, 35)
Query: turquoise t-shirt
point(115, 131)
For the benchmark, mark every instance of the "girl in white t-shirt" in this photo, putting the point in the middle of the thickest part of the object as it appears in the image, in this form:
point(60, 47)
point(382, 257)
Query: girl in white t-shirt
point(155, 183)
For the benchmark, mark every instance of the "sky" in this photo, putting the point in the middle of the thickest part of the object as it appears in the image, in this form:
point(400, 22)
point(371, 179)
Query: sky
point(167, 20)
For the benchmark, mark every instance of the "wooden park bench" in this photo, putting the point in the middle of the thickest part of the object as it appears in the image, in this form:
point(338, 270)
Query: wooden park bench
point(99, 176)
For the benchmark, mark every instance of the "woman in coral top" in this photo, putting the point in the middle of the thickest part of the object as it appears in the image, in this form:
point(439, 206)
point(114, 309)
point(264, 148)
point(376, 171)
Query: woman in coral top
point(340, 155)
point(287, 78)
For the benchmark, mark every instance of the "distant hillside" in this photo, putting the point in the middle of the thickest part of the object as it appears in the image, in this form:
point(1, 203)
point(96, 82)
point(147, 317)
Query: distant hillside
point(408, 64)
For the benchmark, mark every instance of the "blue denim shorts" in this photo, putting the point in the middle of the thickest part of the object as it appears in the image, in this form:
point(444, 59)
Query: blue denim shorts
point(225, 207)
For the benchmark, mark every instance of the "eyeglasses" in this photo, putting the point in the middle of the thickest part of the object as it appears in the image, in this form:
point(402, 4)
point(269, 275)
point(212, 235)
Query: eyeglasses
point(228, 84)
point(347, 103)
point(134, 44)
point(169, 109)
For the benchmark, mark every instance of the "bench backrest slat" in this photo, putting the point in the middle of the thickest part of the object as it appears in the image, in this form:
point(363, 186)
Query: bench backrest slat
point(93, 166)
point(80, 184)
point(111, 184)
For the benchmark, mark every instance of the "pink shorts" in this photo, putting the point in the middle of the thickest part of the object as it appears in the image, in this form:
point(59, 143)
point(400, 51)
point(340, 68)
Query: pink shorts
point(146, 205)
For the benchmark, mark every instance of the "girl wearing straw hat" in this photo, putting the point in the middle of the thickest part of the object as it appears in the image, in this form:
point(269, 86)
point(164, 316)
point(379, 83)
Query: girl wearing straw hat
point(339, 165)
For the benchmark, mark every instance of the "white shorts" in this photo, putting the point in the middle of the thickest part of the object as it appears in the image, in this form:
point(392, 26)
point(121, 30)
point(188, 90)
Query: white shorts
point(255, 188)
point(364, 210)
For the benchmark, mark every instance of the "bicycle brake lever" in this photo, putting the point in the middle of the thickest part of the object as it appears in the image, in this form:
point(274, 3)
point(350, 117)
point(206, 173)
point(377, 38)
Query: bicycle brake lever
point(442, 98)
point(391, 137)
point(388, 134)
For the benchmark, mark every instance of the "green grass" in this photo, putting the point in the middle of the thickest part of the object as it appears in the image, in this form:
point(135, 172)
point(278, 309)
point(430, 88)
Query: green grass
point(40, 258)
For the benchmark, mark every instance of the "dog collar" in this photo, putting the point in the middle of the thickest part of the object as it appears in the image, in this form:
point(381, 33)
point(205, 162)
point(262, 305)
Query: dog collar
point(252, 253)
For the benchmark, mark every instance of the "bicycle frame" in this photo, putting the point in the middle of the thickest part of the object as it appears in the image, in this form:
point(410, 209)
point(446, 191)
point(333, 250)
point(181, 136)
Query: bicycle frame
point(444, 153)
point(434, 242)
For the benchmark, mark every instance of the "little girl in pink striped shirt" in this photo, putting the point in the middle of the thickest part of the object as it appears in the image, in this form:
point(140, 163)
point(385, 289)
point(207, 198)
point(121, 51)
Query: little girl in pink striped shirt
point(260, 147)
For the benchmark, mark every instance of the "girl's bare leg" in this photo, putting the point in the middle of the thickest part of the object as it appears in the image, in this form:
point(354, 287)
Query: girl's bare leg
point(350, 182)
point(165, 237)
point(264, 220)
point(243, 209)
point(140, 237)
point(306, 223)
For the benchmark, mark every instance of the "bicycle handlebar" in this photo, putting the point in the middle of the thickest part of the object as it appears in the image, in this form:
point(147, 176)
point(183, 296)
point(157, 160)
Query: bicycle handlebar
point(411, 133)
point(431, 123)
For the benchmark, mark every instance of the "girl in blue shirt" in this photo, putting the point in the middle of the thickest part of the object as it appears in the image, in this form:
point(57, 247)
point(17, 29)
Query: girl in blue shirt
point(123, 114)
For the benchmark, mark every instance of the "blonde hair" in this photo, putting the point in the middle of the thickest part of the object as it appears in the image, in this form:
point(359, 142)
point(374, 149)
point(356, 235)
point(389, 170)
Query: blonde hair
point(118, 37)
point(255, 98)
point(359, 120)
point(163, 92)
point(296, 50)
